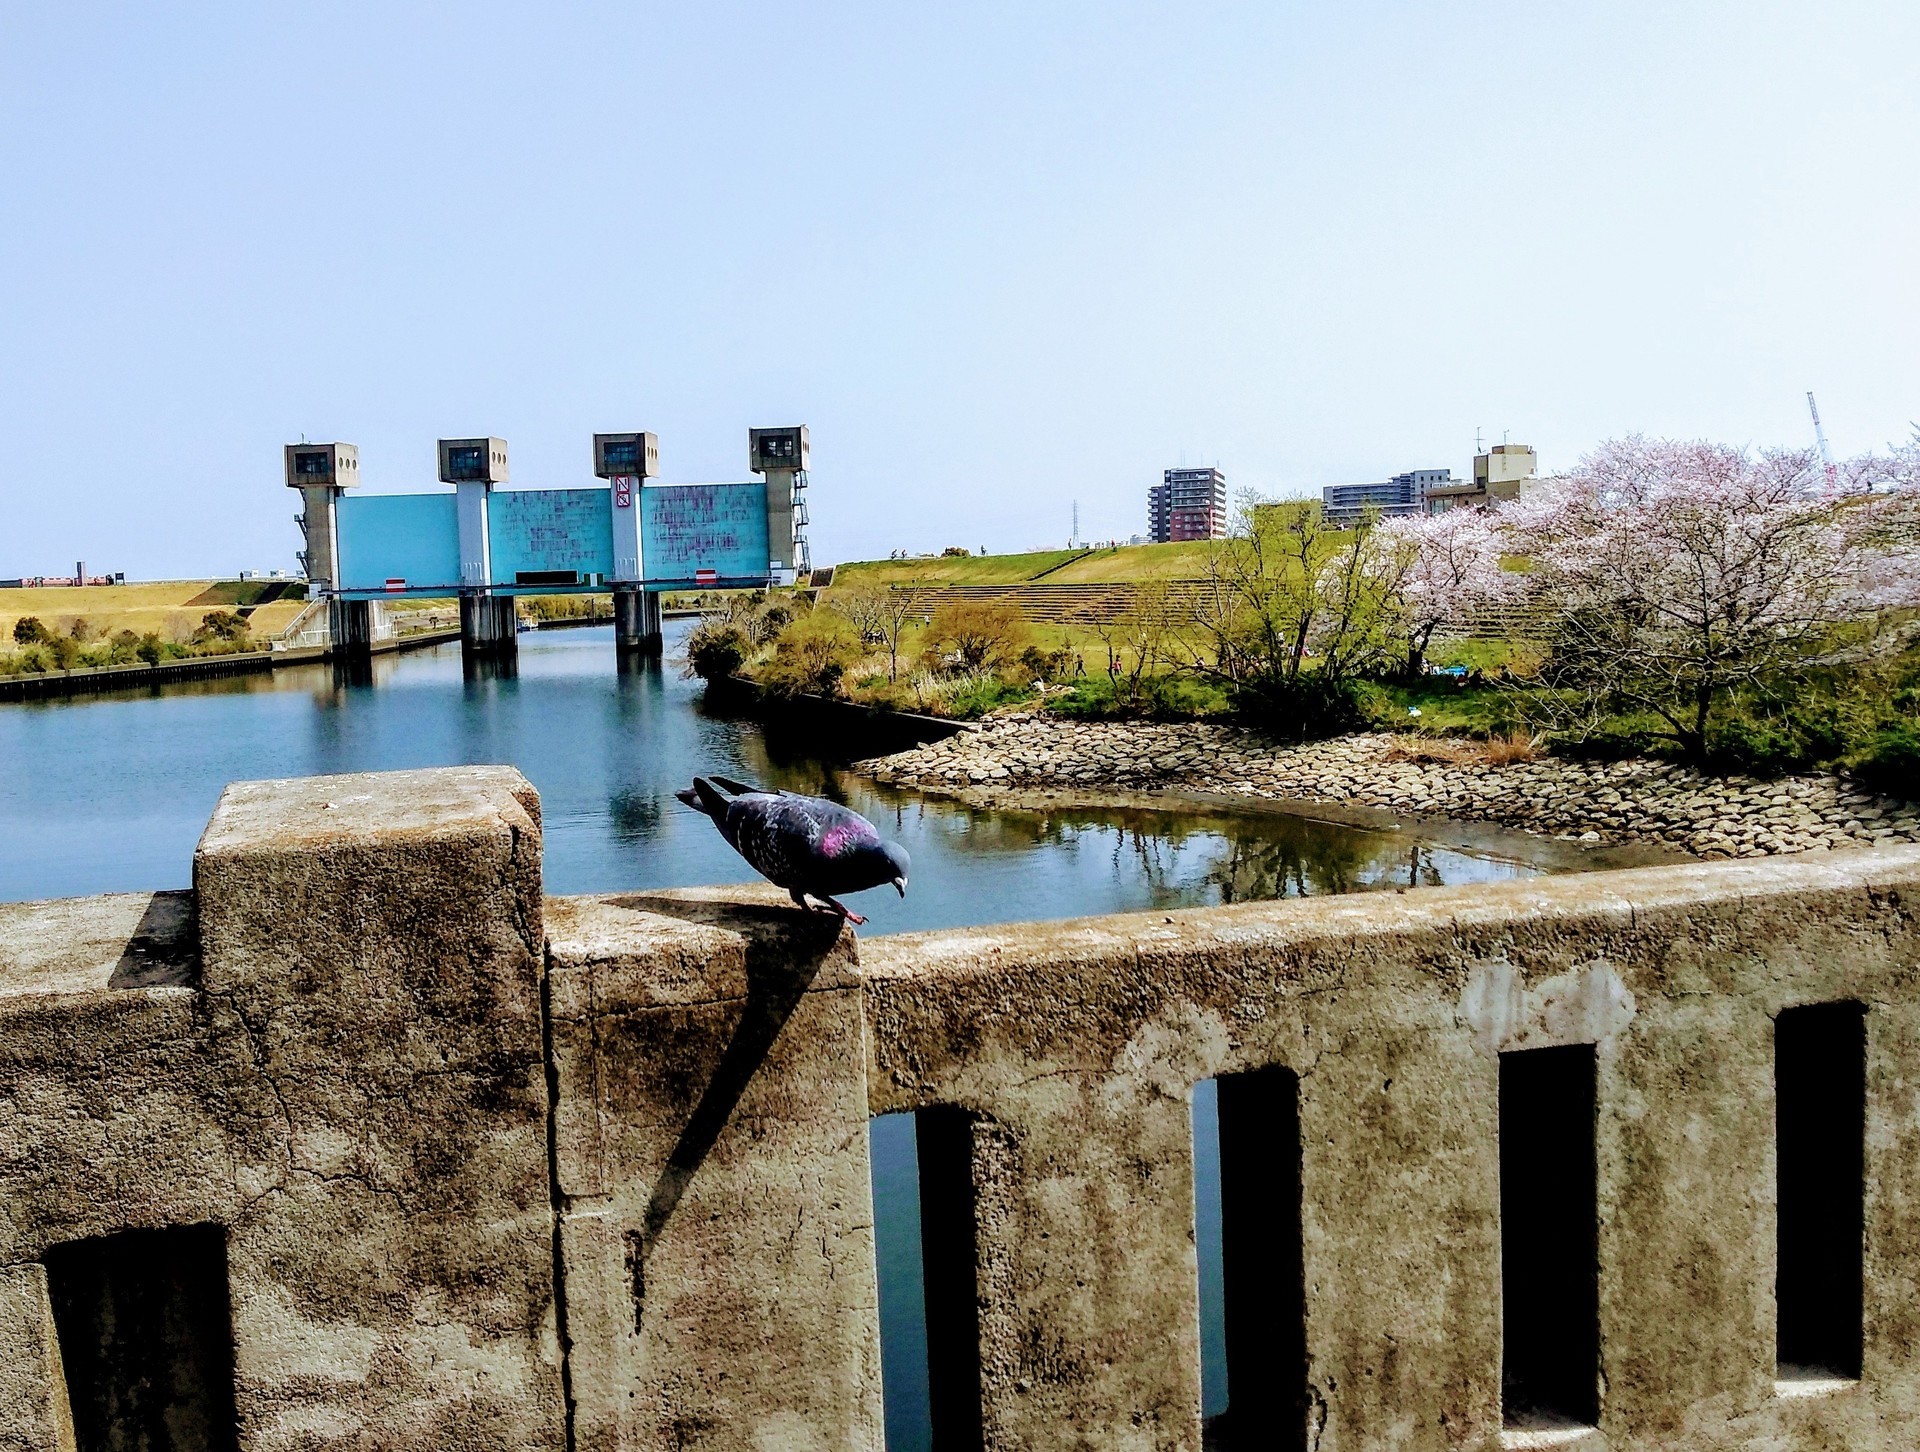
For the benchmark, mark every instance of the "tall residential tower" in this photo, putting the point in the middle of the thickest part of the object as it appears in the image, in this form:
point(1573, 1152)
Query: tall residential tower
point(1187, 504)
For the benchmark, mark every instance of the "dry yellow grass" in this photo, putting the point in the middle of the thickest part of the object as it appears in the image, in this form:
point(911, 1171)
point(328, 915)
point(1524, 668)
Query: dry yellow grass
point(1462, 750)
point(171, 609)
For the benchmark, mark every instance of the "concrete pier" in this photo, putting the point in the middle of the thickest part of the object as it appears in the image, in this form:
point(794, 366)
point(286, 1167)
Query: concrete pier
point(636, 621)
point(353, 625)
point(488, 625)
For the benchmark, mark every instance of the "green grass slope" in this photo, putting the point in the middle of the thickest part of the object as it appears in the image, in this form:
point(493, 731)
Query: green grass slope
point(1127, 563)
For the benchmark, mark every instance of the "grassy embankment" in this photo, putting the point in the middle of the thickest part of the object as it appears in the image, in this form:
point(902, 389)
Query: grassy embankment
point(63, 628)
point(170, 609)
point(1127, 564)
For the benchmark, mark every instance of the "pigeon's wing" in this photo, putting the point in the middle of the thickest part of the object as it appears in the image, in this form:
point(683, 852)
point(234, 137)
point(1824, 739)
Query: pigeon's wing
point(737, 788)
point(778, 835)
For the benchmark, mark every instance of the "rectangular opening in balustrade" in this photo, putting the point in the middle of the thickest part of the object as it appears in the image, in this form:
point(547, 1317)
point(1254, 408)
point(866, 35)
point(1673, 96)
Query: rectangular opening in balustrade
point(924, 1218)
point(1246, 1173)
point(1820, 1107)
point(146, 1339)
point(1549, 1239)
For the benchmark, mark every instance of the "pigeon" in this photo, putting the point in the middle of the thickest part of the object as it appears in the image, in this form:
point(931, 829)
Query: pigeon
point(808, 845)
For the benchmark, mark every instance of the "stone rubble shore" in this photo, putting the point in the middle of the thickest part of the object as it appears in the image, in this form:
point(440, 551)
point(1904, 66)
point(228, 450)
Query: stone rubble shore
point(1637, 800)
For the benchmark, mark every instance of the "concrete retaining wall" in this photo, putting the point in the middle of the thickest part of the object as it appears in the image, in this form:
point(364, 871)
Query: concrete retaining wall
point(501, 1171)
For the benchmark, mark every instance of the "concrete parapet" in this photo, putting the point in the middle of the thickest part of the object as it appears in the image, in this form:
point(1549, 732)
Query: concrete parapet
point(486, 1170)
point(712, 1135)
point(338, 1063)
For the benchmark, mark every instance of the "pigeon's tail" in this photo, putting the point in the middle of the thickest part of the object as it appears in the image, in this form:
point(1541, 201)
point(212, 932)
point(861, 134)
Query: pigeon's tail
point(704, 796)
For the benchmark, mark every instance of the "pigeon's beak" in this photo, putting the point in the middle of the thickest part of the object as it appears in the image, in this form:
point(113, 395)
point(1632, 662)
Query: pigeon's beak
point(900, 883)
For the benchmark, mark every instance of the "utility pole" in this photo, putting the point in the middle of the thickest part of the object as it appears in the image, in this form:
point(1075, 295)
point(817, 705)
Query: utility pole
point(1820, 438)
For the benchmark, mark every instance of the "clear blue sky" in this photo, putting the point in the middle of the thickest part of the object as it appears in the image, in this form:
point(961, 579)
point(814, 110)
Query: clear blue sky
point(1000, 257)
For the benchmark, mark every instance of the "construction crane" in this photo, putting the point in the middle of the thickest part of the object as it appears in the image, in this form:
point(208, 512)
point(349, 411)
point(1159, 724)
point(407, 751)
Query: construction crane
point(1826, 454)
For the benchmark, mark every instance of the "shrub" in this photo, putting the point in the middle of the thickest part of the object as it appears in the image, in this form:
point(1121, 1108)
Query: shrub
point(770, 622)
point(1160, 698)
point(716, 648)
point(221, 627)
point(811, 656)
point(975, 635)
point(952, 552)
point(150, 650)
point(28, 630)
point(1306, 708)
point(1091, 698)
point(1890, 763)
point(1051, 666)
point(565, 607)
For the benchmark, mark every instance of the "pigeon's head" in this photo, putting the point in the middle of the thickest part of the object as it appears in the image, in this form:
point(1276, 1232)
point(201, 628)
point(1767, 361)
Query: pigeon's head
point(896, 856)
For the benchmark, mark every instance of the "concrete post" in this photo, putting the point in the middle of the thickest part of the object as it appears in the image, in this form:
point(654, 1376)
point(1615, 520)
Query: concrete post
point(319, 506)
point(636, 621)
point(781, 554)
point(350, 624)
point(370, 966)
point(710, 1148)
point(488, 625)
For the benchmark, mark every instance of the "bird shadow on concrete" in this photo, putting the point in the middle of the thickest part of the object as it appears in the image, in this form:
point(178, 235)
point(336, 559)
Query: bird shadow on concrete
point(786, 947)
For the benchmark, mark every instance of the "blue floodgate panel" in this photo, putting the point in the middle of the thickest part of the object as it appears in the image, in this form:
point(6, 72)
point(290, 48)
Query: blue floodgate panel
point(543, 536)
point(895, 1158)
point(690, 529)
point(413, 539)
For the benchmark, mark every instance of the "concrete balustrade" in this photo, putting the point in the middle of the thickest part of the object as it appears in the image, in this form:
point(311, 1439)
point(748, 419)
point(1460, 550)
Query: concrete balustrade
point(495, 1170)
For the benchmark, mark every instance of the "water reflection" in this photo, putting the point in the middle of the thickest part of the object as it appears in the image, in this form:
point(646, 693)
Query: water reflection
point(117, 790)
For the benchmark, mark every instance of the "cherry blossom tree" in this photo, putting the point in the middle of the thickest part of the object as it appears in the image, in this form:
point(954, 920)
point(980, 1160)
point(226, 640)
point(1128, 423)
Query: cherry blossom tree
point(1447, 569)
point(1673, 574)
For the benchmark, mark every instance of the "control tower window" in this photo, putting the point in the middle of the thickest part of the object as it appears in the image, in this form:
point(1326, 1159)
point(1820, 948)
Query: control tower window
point(310, 465)
point(623, 458)
point(467, 463)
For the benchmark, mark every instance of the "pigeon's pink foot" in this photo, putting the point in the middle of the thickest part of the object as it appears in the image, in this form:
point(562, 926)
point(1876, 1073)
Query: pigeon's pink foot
point(841, 908)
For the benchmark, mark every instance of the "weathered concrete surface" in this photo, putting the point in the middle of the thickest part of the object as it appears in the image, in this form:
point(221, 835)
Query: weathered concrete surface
point(712, 1149)
point(1083, 1039)
point(473, 1149)
point(355, 1090)
point(33, 1390)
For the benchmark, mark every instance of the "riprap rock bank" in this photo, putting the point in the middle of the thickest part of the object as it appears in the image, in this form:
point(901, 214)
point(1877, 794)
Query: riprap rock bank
point(1639, 800)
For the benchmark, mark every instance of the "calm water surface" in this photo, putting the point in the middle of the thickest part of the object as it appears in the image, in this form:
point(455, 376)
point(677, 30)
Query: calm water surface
point(111, 794)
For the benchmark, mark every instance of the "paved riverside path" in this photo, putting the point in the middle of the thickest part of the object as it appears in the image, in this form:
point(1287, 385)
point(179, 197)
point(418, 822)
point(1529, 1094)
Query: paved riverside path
point(1635, 800)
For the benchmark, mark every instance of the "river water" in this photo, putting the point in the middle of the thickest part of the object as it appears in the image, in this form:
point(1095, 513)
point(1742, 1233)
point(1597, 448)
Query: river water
point(110, 794)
